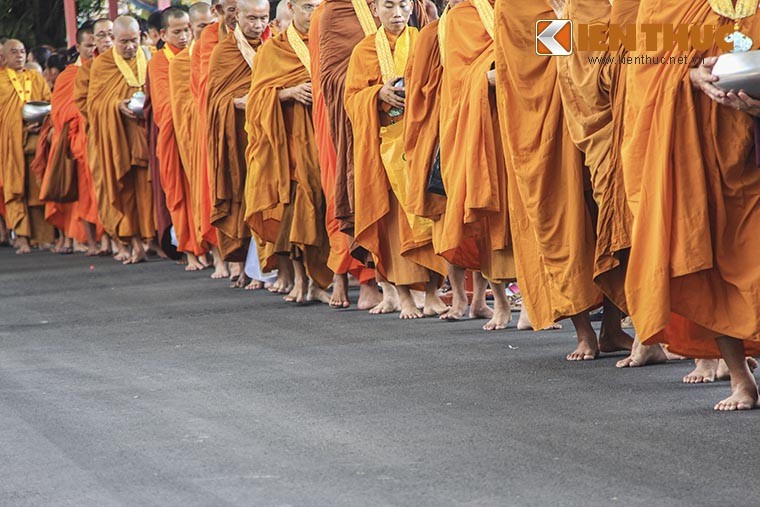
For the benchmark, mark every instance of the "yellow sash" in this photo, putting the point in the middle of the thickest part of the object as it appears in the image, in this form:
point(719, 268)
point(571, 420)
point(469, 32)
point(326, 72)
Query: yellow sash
point(366, 20)
point(168, 53)
point(299, 46)
point(442, 33)
point(126, 71)
point(24, 91)
point(244, 46)
point(393, 63)
point(485, 11)
point(192, 46)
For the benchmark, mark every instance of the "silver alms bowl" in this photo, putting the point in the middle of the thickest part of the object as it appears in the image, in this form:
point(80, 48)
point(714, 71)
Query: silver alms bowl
point(35, 112)
point(137, 103)
point(739, 71)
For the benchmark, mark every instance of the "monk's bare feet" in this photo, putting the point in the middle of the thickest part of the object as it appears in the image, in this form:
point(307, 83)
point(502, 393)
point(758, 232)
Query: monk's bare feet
point(22, 246)
point(317, 295)
point(456, 311)
point(138, 253)
point(255, 285)
point(240, 282)
point(122, 254)
point(68, 247)
point(481, 310)
point(389, 302)
point(523, 323)
point(220, 267)
point(643, 355)
point(723, 372)
point(104, 250)
point(612, 338)
point(433, 304)
point(744, 396)
point(704, 373)
point(502, 312)
point(369, 296)
point(588, 347)
point(300, 285)
point(92, 250)
point(744, 393)
point(339, 297)
point(193, 264)
point(409, 309)
point(459, 301)
point(203, 259)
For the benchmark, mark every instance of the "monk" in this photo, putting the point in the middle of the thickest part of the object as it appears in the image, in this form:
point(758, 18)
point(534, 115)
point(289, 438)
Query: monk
point(82, 224)
point(283, 164)
point(340, 260)
point(229, 80)
point(120, 151)
point(176, 34)
point(554, 245)
point(400, 243)
point(695, 197)
point(25, 213)
point(201, 196)
point(103, 31)
point(283, 18)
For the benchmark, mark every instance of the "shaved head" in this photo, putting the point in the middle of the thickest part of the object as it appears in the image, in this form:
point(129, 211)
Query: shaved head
point(284, 14)
point(14, 54)
point(126, 35)
point(175, 28)
point(227, 10)
point(201, 15)
point(253, 17)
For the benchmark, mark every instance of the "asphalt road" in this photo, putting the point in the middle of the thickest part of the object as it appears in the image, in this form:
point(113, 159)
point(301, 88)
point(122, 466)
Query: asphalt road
point(145, 385)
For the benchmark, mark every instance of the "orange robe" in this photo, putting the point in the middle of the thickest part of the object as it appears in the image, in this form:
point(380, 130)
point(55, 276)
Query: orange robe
point(229, 78)
point(381, 224)
point(118, 150)
point(201, 191)
point(476, 224)
point(340, 260)
point(586, 90)
point(173, 179)
point(24, 211)
point(553, 234)
point(693, 185)
point(283, 164)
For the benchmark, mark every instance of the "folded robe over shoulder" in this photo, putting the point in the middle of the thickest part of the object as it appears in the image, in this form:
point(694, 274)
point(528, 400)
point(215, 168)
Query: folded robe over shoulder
point(553, 234)
point(693, 186)
point(282, 154)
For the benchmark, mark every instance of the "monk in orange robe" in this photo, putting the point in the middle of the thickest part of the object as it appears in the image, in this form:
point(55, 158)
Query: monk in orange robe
point(400, 243)
point(554, 245)
point(176, 34)
point(340, 261)
point(693, 185)
point(229, 80)
point(283, 164)
point(83, 224)
point(25, 213)
point(201, 192)
point(117, 135)
point(103, 31)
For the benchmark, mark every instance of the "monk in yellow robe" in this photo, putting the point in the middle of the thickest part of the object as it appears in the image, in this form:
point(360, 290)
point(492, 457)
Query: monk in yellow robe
point(340, 261)
point(400, 243)
point(201, 193)
point(283, 164)
point(554, 245)
point(693, 185)
point(229, 80)
point(25, 213)
point(176, 35)
point(120, 153)
point(103, 31)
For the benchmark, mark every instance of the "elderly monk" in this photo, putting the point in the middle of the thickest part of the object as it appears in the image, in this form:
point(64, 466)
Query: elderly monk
point(283, 164)
point(424, 76)
point(400, 244)
point(201, 193)
point(693, 186)
point(229, 81)
point(284, 16)
point(554, 245)
point(120, 152)
point(85, 224)
point(103, 31)
point(176, 34)
point(25, 213)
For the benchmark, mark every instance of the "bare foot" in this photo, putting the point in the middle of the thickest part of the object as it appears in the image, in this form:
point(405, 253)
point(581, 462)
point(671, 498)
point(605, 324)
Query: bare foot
point(193, 264)
point(203, 259)
point(434, 305)
point(500, 320)
point(643, 355)
point(137, 258)
point(614, 340)
point(240, 282)
point(22, 246)
point(523, 323)
point(588, 347)
point(744, 396)
point(316, 294)
point(339, 297)
point(369, 296)
point(236, 269)
point(419, 298)
point(220, 271)
point(456, 311)
point(480, 311)
point(409, 309)
point(255, 285)
point(389, 303)
point(122, 254)
point(704, 373)
point(298, 292)
point(723, 373)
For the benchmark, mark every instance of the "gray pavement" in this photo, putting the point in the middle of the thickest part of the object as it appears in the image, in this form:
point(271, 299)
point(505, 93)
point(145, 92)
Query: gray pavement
point(145, 385)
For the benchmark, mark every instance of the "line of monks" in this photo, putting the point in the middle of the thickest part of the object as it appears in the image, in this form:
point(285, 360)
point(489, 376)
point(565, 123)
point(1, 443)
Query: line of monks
point(375, 139)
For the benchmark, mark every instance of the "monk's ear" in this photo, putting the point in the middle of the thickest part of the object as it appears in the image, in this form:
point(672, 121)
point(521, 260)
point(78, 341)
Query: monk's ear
point(162, 34)
point(373, 8)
